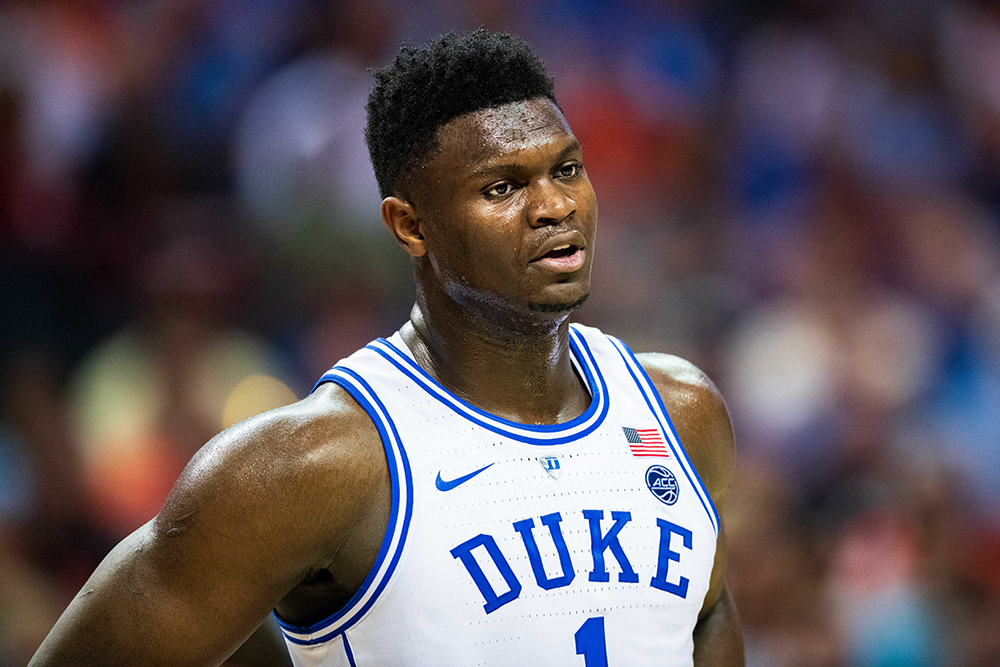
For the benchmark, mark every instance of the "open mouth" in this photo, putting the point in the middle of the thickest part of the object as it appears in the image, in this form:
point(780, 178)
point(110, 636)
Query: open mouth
point(567, 250)
point(565, 258)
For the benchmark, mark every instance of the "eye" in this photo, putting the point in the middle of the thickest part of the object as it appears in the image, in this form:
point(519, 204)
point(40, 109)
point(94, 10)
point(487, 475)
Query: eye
point(569, 170)
point(500, 189)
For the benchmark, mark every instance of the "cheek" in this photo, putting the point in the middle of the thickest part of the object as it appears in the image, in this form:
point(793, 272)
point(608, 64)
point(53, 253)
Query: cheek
point(508, 218)
point(587, 197)
point(480, 243)
point(500, 249)
point(494, 235)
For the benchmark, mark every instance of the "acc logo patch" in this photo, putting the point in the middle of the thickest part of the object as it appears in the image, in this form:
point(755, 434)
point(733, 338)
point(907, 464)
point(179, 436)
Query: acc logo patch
point(663, 484)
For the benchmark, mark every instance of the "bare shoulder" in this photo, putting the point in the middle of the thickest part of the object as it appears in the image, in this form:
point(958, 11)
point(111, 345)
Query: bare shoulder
point(699, 414)
point(324, 437)
point(294, 479)
point(257, 509)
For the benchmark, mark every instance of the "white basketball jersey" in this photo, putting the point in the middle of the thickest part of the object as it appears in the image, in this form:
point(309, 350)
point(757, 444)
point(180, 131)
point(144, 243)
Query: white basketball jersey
point(585, 544)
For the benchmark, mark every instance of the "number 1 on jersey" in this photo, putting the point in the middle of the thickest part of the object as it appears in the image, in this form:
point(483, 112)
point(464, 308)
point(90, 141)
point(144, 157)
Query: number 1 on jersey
point(590, 642)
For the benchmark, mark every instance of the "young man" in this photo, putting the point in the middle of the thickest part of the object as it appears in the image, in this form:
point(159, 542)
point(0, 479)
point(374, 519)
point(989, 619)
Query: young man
point(490, 485)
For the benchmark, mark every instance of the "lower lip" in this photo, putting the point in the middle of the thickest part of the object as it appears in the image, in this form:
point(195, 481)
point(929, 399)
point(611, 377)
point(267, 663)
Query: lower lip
point(567, 264)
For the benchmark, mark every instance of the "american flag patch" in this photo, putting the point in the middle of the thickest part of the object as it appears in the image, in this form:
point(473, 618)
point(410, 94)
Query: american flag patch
point(645, 442)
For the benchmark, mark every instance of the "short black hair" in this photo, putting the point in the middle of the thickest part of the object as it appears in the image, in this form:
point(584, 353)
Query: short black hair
point(424, 88)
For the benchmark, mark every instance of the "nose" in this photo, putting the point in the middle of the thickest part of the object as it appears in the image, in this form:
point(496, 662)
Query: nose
point(550, 203)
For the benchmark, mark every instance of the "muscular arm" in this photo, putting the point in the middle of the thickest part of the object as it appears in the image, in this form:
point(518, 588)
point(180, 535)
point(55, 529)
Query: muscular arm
point(256, 510)
point(702, 423)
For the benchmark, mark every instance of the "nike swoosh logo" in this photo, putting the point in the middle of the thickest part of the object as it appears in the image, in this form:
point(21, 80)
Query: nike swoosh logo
point(443, 485)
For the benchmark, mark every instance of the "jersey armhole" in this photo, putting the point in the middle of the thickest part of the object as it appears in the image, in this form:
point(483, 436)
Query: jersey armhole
point(655, 403)
point(399, 519)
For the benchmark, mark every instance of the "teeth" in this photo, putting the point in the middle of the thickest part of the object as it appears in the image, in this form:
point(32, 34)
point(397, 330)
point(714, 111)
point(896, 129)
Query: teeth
point(562, 247)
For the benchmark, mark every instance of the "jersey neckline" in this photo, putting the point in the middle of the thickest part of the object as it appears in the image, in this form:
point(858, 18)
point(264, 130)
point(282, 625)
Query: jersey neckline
point(396, 352)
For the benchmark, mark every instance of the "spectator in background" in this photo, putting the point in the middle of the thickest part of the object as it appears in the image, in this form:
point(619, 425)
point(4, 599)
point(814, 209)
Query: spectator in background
point(148, 397)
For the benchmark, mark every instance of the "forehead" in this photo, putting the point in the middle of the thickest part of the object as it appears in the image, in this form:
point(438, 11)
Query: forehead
point(494, 134)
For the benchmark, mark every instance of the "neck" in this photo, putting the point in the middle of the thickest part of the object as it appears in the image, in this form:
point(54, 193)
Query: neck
point(521, 373)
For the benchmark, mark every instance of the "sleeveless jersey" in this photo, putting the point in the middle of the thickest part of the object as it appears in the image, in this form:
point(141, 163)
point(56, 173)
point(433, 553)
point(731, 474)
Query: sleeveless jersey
point(587, 544)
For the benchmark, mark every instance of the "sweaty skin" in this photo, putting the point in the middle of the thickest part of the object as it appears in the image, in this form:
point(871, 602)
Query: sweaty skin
point(287, 510)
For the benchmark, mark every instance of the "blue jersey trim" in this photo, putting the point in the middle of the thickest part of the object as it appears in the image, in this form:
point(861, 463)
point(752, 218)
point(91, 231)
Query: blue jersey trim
point(662, 416)
point(349, 652)
point(544, 434)
point(540, 428)
point(402, 496)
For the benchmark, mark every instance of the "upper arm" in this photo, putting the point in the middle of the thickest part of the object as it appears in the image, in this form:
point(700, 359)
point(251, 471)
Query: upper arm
point(699, 414)
point(254, 511)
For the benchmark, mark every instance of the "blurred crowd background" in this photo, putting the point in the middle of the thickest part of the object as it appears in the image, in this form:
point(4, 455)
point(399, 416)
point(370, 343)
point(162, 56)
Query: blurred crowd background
point(800, 196)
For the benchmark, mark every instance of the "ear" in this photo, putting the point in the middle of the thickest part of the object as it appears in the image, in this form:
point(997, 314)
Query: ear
point(398, 215)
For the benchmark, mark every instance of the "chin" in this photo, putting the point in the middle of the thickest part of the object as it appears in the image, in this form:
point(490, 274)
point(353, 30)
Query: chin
point(557, 307)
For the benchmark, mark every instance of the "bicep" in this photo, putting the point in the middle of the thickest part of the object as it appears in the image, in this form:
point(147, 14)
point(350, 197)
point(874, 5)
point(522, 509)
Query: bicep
point(250, 516)
point(717, 639)
point(717, 580)
point(148, 604)
point(717, 635)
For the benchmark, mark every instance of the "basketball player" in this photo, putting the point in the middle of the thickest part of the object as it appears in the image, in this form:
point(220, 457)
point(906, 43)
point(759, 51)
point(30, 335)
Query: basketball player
point(488, 486)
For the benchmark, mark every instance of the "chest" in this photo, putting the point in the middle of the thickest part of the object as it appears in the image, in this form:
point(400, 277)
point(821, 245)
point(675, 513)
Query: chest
point(514, 544)
point(507, 526)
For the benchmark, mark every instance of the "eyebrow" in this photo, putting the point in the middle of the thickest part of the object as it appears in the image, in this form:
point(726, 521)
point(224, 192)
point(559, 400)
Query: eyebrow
point(507, 167)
